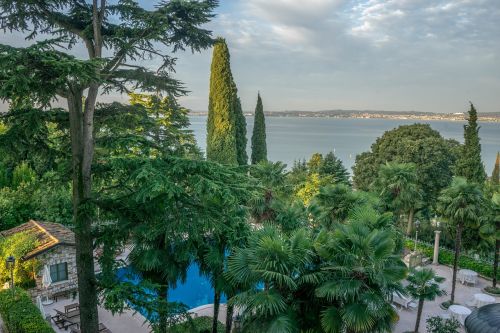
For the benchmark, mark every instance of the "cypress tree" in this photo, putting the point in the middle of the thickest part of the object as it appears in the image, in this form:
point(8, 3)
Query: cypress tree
point(222, 122)
point(259, 146)
point(241, 133)
point(470, 165)
point(495, 176)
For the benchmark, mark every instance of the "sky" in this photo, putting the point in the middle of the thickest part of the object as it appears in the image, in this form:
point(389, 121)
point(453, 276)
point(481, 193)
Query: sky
point(401, 55)
point(424, 55)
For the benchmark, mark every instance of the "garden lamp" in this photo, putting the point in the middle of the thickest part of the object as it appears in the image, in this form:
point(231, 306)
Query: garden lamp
point(417, 224)
point(10, 262)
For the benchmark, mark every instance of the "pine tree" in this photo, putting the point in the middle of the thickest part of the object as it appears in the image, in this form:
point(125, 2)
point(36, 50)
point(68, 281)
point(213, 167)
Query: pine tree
point(470, 165)
point(259, 146)
point(495, 176)
point(222, 124)
point(241, 133)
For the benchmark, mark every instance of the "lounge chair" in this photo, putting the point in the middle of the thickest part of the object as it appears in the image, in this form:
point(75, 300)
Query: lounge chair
point(403, 301)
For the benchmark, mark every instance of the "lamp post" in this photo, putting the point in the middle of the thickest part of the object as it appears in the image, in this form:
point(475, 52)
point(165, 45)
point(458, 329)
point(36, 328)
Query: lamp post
point(417, 224)
point(437, 232)
point(10, 262)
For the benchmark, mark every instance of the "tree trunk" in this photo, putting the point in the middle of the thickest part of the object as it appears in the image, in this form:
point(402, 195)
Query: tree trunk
point(495, 262)
point(409, 226)
point(419, 313)
point(215, 320)
point(82, 220)
point(458, 240)
point(229, 318)
point(163, 313)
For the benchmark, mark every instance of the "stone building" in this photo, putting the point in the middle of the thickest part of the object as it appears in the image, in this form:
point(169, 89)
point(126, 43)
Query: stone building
point(56, 252)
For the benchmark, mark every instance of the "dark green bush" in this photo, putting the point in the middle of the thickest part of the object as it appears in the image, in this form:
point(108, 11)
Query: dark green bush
point(446, 258)
point(20, 315)
point(197, 325)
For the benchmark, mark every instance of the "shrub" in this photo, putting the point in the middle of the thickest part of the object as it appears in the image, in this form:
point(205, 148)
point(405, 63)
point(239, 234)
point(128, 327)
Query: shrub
point(20, 315)
point(19, 245)
point(197, 325)
point(440, 325)
point(446, 258)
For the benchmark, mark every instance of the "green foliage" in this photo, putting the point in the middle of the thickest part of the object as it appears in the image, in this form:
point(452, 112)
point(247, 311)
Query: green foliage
point(321, 281)
point(437, 324)
point(19, 245)
point(335, 203)
point(495, 175)
point(397, 184)
point(470, 165)
point(241, 133)
point(22, 174)
point(259, 146)
point(424, 286)
point(419, 144)
point(151, 125)
point(222, 123)
point(446, 258)
point(308, 178)
point(20, 315)
point(462, 203)
point(332, 166)
point(197, 325)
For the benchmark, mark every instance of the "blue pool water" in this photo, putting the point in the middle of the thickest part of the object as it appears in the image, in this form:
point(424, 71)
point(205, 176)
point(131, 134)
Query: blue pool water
point(195, 291)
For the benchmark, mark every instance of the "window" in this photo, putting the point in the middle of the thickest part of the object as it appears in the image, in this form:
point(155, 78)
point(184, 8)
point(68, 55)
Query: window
point(59, 272)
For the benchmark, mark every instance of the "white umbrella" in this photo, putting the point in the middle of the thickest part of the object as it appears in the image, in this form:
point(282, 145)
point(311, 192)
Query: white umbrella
point(46, 282)
point(46, 279)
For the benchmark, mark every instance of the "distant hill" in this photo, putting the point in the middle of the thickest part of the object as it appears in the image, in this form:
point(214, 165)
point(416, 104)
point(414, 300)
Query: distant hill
point(368, 114)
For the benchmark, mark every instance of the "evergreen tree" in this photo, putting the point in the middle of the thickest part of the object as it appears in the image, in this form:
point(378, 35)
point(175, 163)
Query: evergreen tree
point(495, 176)
point(470, 165)
point(259, 147)
point(241, 133)
point(222, 124)
point(332, 166)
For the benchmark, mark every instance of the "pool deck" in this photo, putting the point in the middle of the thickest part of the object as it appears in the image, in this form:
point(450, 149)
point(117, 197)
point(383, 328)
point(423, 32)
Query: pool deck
point(126, 322)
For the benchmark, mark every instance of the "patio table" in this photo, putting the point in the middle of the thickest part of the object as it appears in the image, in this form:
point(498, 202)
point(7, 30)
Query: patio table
point(483, 299)
point(459, 312)
point(467, 276)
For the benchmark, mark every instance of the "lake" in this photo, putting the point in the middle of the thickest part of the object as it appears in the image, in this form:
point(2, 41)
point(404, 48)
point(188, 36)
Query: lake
point(293, 138)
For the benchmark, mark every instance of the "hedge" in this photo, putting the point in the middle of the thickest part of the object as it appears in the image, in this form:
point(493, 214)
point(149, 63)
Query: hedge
point(446, 258)
point(198, 325)
point(20, 315)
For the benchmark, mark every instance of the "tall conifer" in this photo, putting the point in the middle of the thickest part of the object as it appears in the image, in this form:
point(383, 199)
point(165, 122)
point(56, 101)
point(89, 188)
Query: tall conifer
point(259, 146)
point(241, 133)
point(495, 176)
point(470, 165)
point(222, 122)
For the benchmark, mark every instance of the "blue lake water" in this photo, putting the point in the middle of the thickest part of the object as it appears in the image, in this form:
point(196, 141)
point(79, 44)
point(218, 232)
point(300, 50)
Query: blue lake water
point(293, 138)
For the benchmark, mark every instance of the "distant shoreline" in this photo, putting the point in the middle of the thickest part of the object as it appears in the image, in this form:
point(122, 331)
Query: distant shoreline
point(391, 115)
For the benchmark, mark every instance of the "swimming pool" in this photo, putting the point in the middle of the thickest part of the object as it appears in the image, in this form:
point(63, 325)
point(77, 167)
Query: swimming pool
point(194, 292)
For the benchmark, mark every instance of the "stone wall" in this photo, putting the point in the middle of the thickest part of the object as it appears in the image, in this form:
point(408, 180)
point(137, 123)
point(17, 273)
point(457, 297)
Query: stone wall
point(59, 254)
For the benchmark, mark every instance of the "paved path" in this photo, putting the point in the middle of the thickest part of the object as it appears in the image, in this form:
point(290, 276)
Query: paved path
point(463, 295)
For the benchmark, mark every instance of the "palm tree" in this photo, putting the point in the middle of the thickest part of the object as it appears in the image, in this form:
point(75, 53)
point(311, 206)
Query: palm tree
point(461, 204)
point(397, 183)
point(337, 281)
point(360, 272)
point(271, 266)
point(333, 204)
point(491, 232)
point(424, 286)
point(271, 178)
